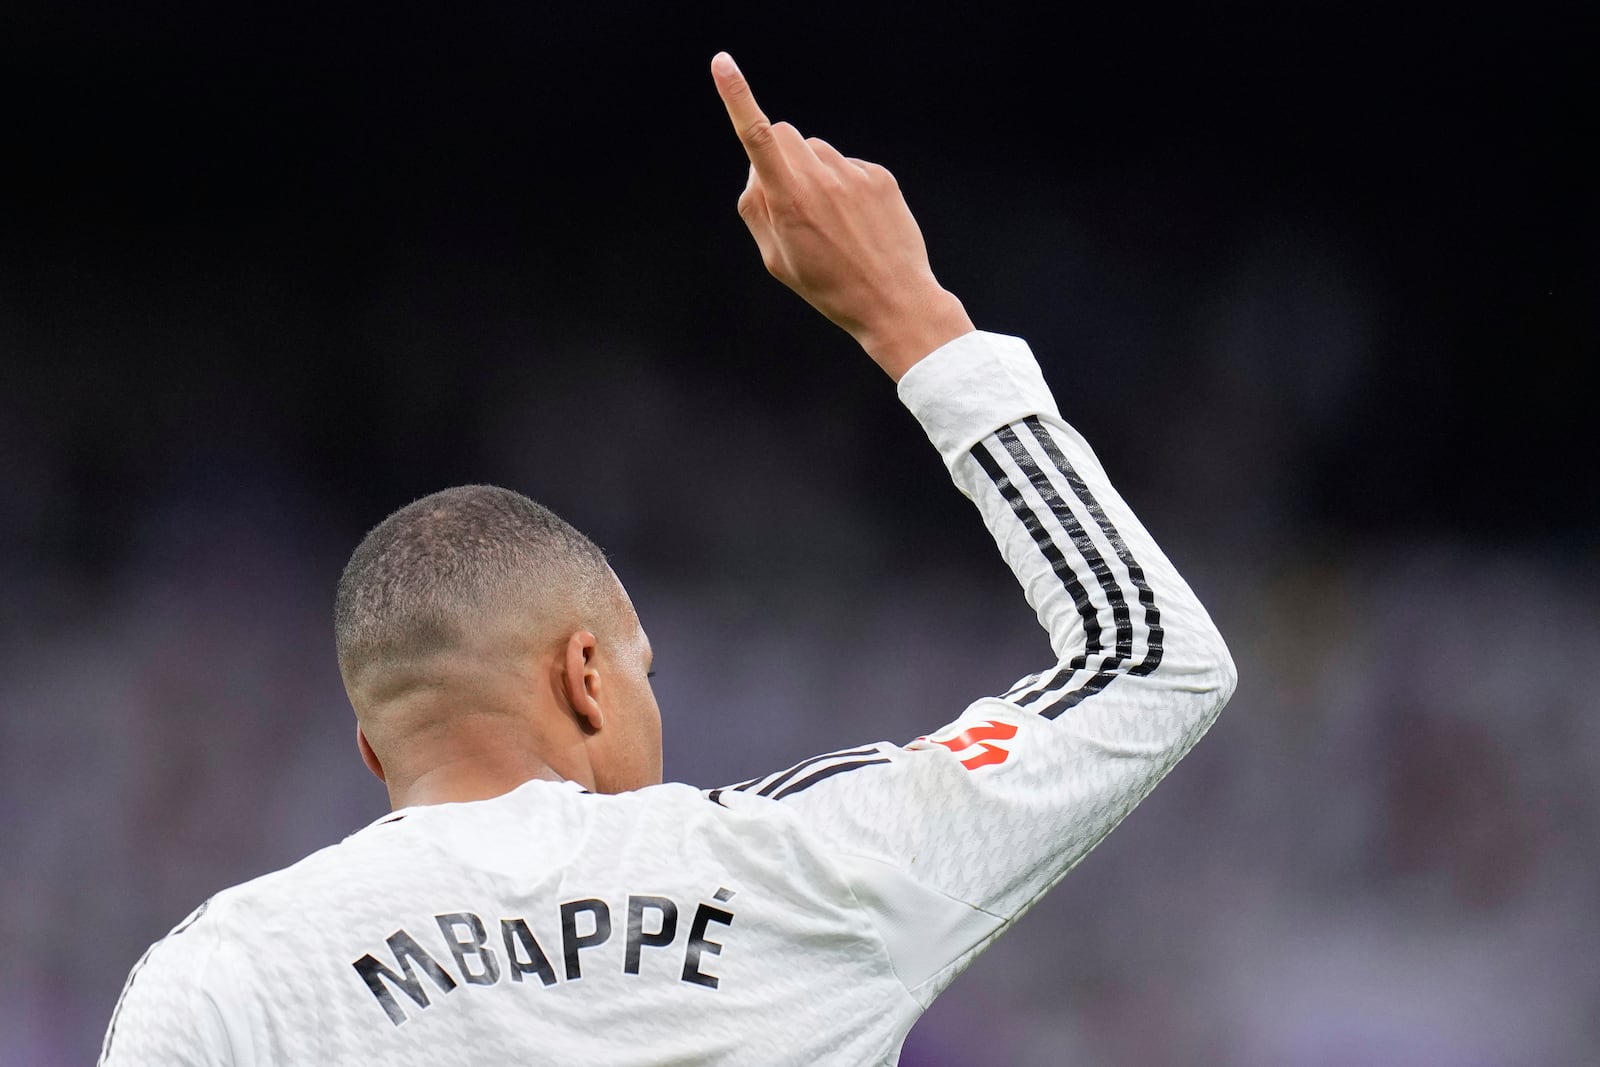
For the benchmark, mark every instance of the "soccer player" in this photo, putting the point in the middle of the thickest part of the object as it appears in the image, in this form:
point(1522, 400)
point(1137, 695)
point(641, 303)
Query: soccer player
point(537, 896)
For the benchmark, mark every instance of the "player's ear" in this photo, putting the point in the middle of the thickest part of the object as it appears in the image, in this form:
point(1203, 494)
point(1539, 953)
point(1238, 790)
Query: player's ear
point(369, 757)
point(581, 679)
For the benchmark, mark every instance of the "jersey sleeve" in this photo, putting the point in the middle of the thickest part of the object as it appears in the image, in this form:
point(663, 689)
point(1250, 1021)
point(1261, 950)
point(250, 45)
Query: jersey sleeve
point(170, 1011)
point(950, 838)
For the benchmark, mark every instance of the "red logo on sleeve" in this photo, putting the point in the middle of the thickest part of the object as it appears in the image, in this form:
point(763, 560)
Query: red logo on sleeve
point(976, 744)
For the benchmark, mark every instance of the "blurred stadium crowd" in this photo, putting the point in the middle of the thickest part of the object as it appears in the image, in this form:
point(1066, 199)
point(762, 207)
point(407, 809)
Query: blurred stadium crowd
point(1327, 349)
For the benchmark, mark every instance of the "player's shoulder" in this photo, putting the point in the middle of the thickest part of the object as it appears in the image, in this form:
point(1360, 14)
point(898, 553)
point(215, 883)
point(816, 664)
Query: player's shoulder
point(408, 850)
point(197, 935)
point(170, 1003)
point(773, 805)
point(757, 794)
point(254, 909)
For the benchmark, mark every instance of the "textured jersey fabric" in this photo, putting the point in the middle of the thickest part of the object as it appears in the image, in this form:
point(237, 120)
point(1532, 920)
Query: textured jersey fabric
point(807, 917)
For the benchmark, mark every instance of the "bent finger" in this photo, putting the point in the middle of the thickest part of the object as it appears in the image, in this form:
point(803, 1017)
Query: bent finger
point(874, 170)
point(753, 200)
point(828, 155)
point(758, 219)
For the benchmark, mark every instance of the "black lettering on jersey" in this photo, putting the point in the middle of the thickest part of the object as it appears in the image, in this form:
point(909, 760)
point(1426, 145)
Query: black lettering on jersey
point(467, 938)
point(703, 916)
point(571, 942)
point(477, 945)
point(637, 938)
point(406, 950)
point(537, 962)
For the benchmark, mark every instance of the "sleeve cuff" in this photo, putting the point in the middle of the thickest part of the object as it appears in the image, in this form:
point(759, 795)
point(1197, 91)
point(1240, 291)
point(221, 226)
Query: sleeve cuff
point(968, 388)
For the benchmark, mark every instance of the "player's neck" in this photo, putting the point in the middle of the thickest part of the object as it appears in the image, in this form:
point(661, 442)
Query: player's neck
point(467, 778)
point(477, 737)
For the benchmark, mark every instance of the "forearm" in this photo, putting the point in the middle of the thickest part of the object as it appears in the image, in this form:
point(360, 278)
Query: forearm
point(1112, 602)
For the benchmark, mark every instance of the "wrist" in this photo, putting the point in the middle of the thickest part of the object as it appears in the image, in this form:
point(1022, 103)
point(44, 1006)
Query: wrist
point(900, 343)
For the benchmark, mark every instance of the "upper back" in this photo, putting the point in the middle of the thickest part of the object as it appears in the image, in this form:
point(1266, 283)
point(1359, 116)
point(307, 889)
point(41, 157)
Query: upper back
point(548, 925)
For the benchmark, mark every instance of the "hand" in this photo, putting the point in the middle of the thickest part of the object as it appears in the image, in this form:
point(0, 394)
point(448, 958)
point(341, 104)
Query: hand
point(837, 231)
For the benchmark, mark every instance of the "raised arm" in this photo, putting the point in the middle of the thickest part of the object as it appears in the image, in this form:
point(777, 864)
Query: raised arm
point(950, 838)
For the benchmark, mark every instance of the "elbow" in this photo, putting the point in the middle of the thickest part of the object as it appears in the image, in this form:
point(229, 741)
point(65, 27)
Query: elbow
point(1218, 669)
point(1201, 684)
point(1228, 674)
point(1198, 669)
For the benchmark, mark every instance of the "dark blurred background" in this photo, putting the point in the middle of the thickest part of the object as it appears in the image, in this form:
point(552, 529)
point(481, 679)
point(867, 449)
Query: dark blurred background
point(1318, 281)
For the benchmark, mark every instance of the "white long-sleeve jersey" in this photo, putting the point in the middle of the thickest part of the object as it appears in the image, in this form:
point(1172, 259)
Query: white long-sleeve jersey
point(807, 917)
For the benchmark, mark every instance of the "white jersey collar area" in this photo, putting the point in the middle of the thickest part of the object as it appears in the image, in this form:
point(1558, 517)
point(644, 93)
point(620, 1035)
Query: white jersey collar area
point(418, 809)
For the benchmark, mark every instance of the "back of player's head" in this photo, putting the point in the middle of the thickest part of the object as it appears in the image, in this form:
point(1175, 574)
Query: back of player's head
point(442, 570)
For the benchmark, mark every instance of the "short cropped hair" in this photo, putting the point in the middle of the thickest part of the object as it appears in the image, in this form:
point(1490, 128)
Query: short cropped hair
point(423, 577)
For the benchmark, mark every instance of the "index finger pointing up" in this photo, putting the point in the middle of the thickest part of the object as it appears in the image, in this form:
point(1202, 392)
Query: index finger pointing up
point(754, 131)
